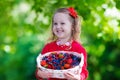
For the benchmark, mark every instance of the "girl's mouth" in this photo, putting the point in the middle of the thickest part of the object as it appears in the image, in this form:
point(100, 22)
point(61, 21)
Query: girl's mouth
point(59, 31)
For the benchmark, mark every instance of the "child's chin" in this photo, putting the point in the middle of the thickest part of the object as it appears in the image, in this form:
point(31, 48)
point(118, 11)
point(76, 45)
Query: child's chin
point(60, 36)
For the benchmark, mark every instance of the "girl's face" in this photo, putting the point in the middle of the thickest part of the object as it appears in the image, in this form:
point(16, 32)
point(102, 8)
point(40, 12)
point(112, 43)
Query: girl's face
point(62, 27)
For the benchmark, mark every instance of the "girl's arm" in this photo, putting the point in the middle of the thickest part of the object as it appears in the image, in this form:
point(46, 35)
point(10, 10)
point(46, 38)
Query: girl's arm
point(44, 50)
point(37, 77)
point(80, 49)
point(84, 73)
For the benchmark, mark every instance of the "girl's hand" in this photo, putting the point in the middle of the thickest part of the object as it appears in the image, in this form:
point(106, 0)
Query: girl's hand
point(71, 76)
point(43, 74)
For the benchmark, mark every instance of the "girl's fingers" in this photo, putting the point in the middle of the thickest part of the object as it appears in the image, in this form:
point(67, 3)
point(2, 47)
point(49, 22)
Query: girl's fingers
point(69, 76)
point(49, 74)
point(44, 74)
point(72, 76)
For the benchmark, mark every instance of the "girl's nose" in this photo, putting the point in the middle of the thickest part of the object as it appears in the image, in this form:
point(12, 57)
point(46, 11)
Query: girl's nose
point(58, 26)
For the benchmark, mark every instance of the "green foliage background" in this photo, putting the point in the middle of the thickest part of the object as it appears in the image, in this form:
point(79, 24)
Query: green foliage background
point(24, 28)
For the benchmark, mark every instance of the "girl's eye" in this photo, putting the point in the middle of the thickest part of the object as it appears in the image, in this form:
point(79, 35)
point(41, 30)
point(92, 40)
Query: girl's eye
point(55, 23)
point(62, 23)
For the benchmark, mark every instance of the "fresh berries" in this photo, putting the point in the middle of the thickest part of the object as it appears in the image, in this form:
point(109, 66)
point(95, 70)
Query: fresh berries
point(43, 63)
point(60, 61)
point(66, 66)
point(61, 55)
point(69, 61)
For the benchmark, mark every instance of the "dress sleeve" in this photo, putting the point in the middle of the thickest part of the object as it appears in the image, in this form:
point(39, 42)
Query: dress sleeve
point(37, 77)
point(80, 49)
point(84, 73)
point(44, 50)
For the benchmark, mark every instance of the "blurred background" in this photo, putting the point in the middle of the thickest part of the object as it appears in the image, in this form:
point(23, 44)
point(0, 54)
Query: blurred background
point(25, 25)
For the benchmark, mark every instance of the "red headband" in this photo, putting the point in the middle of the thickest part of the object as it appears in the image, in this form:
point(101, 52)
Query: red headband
point(72, 11)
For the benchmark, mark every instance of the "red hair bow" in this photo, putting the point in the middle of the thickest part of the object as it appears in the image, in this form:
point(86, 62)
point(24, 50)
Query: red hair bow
point(72, 11)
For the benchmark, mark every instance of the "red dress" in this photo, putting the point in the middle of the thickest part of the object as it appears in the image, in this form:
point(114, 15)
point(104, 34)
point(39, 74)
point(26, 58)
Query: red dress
point(76, 47)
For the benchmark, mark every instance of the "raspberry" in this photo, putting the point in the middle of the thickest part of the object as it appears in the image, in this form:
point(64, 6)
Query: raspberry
point(43, 62)
point(69, 61)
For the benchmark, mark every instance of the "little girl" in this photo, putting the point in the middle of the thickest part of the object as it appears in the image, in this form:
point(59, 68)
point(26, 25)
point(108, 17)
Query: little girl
point(65, 31)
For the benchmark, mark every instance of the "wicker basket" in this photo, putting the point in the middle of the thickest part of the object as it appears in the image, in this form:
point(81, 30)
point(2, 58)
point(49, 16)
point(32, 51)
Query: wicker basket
point(60, 73)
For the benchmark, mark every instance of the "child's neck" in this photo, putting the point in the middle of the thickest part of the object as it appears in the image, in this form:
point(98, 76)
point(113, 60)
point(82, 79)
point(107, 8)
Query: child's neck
point(63, 41)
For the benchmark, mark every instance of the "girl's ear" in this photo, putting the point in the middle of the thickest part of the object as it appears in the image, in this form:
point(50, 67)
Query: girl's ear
point(72, 28)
